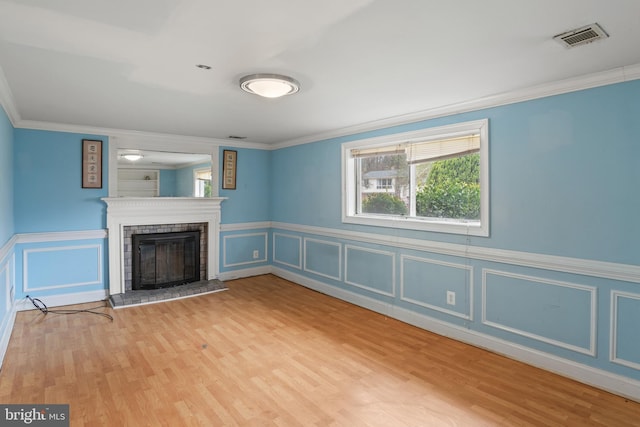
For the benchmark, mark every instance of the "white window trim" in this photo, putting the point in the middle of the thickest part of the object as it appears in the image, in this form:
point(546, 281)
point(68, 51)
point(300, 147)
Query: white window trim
point(349, 194)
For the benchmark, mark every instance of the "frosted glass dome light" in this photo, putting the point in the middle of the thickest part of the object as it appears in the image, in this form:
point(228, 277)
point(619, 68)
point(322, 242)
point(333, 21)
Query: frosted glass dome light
point(269, 85)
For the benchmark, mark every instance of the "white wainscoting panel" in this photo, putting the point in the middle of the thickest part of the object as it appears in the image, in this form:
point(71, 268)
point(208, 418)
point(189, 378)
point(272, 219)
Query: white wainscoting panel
point(283, 236)
point(634, 338)
point(332, 257)
point(59, 281)
point(438, 302)
point(590, 349)
point(376, 270)
point(248, 260)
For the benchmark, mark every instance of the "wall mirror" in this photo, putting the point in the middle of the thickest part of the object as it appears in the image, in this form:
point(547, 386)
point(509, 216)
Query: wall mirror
point(141, 170)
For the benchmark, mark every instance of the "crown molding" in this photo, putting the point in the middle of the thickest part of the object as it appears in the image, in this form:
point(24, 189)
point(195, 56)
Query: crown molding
point(588, 81)
point(7, 101)
point(133, 134)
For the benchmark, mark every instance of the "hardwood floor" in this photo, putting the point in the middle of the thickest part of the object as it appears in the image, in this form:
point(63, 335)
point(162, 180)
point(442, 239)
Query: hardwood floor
point(270, 353)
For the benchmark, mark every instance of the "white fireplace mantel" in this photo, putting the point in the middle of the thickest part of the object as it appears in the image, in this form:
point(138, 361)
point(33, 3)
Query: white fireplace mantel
point(125, 211)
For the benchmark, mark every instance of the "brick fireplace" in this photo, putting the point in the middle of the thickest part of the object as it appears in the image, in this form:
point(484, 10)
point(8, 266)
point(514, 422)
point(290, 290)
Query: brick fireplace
point(156, 215)
point(161, 229)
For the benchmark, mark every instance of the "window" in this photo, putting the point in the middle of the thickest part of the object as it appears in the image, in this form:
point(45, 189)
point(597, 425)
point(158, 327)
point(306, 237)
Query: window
point(433, 179)
point(384, 183)
point(202, 182)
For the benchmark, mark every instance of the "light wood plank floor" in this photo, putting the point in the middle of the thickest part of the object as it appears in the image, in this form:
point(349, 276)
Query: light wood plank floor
point(270, 353)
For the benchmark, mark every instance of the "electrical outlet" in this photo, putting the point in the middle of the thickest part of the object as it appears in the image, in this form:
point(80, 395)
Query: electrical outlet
point(451, 298)
point(256, 254)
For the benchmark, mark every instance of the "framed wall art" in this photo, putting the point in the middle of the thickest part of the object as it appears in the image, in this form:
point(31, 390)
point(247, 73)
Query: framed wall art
point(91, 163)
point(230, 158)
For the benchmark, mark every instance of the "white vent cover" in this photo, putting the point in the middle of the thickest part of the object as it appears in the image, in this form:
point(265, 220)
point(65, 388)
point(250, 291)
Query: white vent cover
point(580, 36)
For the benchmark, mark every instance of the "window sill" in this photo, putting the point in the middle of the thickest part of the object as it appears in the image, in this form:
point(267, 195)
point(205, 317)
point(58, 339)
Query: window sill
point(470, 228)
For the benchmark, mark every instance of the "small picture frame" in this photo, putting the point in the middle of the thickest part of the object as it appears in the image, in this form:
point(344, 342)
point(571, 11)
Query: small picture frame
point(91, 163)
point(229, 161)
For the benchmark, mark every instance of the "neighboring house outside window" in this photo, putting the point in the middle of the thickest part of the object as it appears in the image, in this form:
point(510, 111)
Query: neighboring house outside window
point(377, 181)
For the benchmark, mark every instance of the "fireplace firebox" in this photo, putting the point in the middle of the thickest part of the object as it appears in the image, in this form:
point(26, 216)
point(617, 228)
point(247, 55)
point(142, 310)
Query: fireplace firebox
point(162, 260)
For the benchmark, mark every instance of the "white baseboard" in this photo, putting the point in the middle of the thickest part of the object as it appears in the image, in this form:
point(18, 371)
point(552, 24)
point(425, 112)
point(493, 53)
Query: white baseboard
point(5, 332)
point(245, 272)
point(599, 378)
point(61, 300)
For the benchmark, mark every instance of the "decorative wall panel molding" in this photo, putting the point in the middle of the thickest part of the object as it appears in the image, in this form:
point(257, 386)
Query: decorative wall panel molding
point(606, 270)
point(61, 236)
point(48, 278)
point(294, 247)
point(624, 341)
point(325, 260)
point(370, 269)
point(243, 226)
point(8, 247)
point(7, 283)
point(432, 294)
point(546, 310)
point(243, 253)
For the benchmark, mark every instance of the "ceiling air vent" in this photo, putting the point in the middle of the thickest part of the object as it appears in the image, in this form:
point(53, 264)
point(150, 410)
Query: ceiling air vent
point(581, 35)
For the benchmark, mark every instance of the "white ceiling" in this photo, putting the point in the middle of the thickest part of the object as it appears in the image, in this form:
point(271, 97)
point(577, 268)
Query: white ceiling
point(130, 64)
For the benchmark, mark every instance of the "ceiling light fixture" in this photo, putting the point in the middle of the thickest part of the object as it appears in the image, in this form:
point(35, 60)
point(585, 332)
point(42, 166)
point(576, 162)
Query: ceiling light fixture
point(269, 85)
point(132, 157)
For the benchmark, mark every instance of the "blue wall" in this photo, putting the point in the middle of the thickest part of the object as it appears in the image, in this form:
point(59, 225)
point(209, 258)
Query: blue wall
point(249, 204)
point(6, 178)
point(7, 258)
point(48, 187)
point(250, 201)
point(561, 171)
point(306, 184)
point(561, 168)
point(49, 200)
point(560, 266)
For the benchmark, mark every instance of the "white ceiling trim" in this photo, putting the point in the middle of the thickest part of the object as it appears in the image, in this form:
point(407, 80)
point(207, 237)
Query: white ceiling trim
point(617, 75)
point(7, 100)
point(588, 81)
point(134, 135)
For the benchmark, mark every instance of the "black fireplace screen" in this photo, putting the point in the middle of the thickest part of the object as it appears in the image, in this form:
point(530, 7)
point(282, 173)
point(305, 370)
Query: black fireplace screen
point(165, 259)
